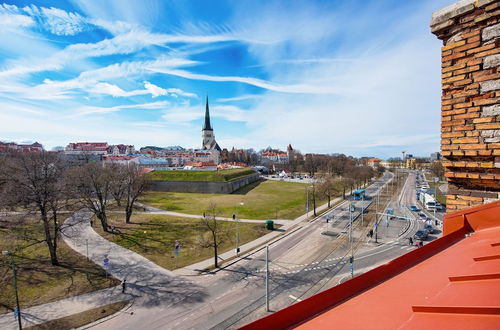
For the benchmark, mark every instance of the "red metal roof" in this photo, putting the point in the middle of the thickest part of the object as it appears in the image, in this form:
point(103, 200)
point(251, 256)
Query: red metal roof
point(450, 283)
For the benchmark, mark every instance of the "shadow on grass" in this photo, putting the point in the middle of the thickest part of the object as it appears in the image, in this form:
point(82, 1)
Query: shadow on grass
point(246, 189)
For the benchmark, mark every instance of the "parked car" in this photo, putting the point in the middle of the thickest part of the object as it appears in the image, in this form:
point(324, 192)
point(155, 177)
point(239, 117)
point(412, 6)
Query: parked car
point(414, 208)
point(429, 228)
point(421, 234)
point(422, 215)
point(439, 207)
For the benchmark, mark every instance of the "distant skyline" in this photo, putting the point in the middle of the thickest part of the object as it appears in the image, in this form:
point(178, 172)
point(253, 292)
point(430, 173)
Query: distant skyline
point(354, 77)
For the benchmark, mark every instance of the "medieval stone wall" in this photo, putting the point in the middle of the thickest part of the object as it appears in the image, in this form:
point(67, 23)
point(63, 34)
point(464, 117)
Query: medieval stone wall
point(202, 186)
point(470, 107)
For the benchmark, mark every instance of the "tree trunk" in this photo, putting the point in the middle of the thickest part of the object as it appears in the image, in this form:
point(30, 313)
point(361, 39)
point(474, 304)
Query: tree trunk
point(214, 236)
point(314, 204)
point(104, 221)
point(49, 239)
point(128, 213)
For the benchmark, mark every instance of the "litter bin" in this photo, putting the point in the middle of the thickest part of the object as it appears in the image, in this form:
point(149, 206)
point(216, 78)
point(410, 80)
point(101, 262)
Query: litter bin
point(269, 224)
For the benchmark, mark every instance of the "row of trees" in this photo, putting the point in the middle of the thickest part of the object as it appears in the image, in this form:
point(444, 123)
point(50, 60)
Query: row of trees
point(45, 185)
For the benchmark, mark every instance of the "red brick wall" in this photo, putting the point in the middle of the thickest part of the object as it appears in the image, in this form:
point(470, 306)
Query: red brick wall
point(470, 107)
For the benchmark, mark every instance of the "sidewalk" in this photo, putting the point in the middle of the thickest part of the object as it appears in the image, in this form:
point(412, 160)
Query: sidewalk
point(62, 308)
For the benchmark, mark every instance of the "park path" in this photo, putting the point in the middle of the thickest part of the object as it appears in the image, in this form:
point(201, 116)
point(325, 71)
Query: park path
point(155, 210)
point(148, 284)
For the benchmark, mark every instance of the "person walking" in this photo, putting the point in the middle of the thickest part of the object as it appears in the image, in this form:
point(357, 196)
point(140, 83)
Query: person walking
point(124, 284)
point(410, 241)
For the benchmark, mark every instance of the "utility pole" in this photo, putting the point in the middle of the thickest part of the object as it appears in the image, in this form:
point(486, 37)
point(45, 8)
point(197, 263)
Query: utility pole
point(362, 209)
point(267, 278)
point(351, 259)
point(17, 311)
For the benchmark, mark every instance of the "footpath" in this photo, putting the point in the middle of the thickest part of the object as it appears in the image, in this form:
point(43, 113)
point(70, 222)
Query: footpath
point(148, 284)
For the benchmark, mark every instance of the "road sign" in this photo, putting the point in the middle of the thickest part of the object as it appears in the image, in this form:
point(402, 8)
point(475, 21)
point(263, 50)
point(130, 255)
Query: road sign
point(106, 261)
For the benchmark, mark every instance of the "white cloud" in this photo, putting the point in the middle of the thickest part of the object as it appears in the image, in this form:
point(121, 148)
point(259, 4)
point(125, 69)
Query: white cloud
point(292, 88)
point(88, 110)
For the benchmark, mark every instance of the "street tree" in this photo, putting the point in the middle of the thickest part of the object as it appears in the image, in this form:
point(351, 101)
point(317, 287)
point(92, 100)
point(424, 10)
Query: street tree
point(34, 181)
point(327, 187)
point(216, 235)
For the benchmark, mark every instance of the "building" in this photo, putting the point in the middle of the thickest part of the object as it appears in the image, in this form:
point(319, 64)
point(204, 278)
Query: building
point(435, 156)
point(121, 150)
point(451, 282)
point(99, 148)
point(470, 107)
point(11, 146)
point(94, 148)
point(122, 160)
point(207, 133)
point(373, 162)
point(276, 157)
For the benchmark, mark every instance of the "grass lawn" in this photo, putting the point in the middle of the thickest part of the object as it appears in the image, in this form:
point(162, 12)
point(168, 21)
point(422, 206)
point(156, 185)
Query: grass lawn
point(154, 236)
point(37, 280)
point(258, 200)
point(81, 319)
point(223, 175)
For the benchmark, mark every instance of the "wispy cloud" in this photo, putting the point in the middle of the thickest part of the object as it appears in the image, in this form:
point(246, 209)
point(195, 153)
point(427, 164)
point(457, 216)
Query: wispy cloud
point(88, 110)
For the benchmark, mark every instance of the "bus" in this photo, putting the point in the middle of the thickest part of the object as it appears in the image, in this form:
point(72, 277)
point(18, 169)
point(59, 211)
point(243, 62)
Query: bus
point(359, 194)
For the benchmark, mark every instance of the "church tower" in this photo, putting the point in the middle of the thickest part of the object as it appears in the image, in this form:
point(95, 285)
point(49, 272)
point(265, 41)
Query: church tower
point(207, 133)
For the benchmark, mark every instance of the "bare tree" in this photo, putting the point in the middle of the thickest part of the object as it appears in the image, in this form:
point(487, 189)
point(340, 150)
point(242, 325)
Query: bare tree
point(135, 184)
point(118, 182)
point(92, 184)
point(437, 169)
point(35, 182)
point(328, 187)
point(217, 234)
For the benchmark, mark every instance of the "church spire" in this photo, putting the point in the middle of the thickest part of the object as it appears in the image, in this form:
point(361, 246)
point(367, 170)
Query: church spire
point(206, 125)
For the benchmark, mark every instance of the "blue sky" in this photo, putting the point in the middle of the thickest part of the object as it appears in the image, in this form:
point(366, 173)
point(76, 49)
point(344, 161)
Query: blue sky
point(356, 77)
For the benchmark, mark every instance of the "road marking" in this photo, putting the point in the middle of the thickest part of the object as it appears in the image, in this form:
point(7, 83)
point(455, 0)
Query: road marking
point(295, 298)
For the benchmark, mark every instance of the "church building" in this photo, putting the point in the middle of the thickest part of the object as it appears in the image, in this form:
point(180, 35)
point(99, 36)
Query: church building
point(207, 133)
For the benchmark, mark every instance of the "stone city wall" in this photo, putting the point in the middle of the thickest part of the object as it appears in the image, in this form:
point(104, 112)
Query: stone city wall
point(203, 186)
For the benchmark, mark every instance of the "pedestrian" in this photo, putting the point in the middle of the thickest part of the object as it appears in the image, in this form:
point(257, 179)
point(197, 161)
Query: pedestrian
point(91, 223)
point(124, 284)
point(371, 233)
point(410, 241)
point(421, 244)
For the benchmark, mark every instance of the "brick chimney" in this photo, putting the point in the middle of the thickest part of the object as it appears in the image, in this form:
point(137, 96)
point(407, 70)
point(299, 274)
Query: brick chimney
point(470, 106)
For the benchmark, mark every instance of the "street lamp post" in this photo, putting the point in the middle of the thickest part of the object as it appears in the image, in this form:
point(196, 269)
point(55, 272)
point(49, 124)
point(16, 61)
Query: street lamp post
point(362, 209)
point(351, 259)
point(14, 280)
point(237, 236)
point(267, 278)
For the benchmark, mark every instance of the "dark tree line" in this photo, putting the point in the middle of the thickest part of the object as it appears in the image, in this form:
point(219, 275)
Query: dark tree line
point(45, 184)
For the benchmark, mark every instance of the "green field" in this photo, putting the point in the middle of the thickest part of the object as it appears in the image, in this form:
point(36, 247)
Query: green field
point(38, 281)
point(259, 200)
point(223, 175)
point(154, 236)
